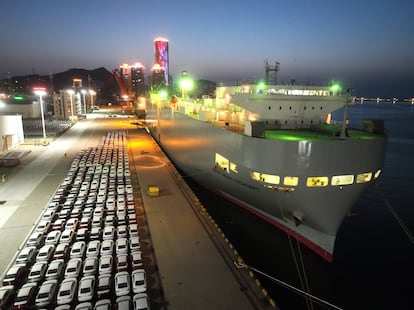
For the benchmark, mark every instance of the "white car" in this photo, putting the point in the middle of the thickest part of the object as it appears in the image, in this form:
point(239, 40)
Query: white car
point(133, 230)
point(67, 291)
point(122, 283)
point(104, 286)
point(139, 281)
point(93, 248)
point(46, 252)
point(67, 236)
point(36, 239)
point(103, 304)
point(37, 272)
point(44, 226)
point(27, 256)
point(90, 266)
point(53, 237)
point(55, 269)
point(121, 246)
point(47, 293)
point(73, 268)
point(141, 302)
point(134, 244)
point(108, 233)
point(86, 288)
point(107, 247)
point(106, 264)
point(78, 249)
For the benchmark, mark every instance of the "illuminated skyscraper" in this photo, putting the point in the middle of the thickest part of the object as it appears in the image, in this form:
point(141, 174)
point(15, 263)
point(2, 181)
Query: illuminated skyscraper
point(137, 80)
point(161, 56)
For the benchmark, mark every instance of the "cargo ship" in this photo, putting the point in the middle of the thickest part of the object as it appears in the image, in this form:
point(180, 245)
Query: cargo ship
point(274, 150)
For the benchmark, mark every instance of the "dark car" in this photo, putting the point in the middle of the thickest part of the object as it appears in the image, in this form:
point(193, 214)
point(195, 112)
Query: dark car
point(16, 275)
point(26, 296)
point(7, 296)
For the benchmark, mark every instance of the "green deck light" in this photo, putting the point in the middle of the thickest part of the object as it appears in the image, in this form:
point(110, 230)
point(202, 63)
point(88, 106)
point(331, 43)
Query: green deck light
point(335, 87)
point(18, 97)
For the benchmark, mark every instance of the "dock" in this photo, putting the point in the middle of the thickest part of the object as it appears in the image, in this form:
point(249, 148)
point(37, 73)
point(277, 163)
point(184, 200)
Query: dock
point(189, 262)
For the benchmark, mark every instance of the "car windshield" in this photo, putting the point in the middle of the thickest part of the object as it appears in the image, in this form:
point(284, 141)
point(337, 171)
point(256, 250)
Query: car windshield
point(122, 285)
point(85, 290)
point(43, 295)
point(65, 293)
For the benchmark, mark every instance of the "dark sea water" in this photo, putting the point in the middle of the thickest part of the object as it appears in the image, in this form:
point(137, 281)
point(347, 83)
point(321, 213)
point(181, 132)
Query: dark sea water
point(373, 266)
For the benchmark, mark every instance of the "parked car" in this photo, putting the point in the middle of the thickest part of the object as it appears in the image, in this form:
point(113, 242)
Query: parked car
point(121, 263)
point(73, 268)
point(139, 281)
point(44, 226)
point(47, 293)
point(135, 260)
point(7, 296)
point(78, 249)
point(134, 244)
point(72, 223)
point(93, 248)
point(122, 283)
point(46, 252)
point(59, 224)
point(104, 287)
point(86, 288)
point(26, 256)
point(53, 237)
point(106, 264)
point(133, 230)
point(68, 236)
point(36, 239)
point(108, 233)
point(82, 234)
point(141, 302)
point(107, 247)
point(56, 269)
point(90, 266)
point(16, 275)
point(121, 246)
point(37, 272)
point(123, 302)
point(67, 291)
point(62, 251)
point(26, 296)
point(103, 304)
point(96, 233)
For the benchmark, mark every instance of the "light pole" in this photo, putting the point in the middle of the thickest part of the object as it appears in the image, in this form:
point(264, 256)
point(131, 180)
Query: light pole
point(71, 92)
point(41, 91)
point(84, 100)
point(92, 94)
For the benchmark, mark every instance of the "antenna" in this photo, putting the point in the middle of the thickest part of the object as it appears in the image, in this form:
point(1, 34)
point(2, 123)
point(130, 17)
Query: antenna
point(271, 72)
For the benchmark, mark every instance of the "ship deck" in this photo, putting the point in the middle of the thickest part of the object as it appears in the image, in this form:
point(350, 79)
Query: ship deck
point(320, 132)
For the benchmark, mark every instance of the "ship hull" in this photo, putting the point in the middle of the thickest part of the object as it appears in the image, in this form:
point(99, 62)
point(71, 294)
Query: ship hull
point(311, 215)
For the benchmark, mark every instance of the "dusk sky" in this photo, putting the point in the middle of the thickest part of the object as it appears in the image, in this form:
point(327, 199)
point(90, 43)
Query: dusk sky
point(367, 45)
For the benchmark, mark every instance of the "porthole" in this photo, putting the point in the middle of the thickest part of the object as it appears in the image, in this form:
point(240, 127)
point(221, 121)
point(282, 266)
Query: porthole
point(270, 108)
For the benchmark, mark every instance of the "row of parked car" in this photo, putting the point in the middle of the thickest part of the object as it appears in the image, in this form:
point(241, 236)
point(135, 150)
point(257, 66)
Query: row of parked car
point(85, 250)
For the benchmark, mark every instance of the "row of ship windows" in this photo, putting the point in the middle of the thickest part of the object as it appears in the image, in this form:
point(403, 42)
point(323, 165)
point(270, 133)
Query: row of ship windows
point(314, 181)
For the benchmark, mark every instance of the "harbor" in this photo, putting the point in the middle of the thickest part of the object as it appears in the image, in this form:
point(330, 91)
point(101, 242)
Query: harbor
point(188, 260)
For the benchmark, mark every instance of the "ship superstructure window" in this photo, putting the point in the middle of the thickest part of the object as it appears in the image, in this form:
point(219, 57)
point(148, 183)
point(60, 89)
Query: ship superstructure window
point(364, 177)
point(317, 181)
point(233, 167)
point(290, 181)
point(342, 180)
point(222, 162)
point(267, 178)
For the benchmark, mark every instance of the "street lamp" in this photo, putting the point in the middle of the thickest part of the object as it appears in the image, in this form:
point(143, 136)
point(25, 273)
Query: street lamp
point(186, 85)
point(84, 100)
point(71, 92)
point(41, 91)
point(92, 94)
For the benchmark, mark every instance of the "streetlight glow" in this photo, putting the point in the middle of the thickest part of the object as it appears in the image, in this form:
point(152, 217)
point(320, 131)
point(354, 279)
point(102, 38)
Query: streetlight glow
point(84, 100)
point(41, 91)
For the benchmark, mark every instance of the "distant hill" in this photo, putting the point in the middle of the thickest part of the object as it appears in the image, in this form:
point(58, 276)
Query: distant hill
point(100, 80)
